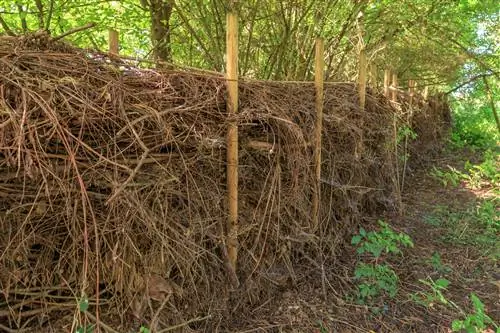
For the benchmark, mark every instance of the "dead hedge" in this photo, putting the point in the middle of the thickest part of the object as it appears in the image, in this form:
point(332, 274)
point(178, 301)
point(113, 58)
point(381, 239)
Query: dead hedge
point(112, 178)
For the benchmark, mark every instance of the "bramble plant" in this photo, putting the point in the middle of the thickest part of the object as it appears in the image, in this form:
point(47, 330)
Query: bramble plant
point(438, 265)
point(376, 279)
point(376, 242)
point(475, 322)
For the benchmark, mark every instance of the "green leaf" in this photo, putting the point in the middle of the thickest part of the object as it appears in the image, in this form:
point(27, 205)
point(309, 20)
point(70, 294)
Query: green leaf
point(84, 304)
point(442, 283)
point(362, 231)
point(355, 240)
point(457, 325)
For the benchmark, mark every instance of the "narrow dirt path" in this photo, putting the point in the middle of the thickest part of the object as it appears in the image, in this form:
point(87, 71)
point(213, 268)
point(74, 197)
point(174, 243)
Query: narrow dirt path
point(449, 244)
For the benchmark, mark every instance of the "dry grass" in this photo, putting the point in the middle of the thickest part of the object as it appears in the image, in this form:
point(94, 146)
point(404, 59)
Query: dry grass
point(112, 185)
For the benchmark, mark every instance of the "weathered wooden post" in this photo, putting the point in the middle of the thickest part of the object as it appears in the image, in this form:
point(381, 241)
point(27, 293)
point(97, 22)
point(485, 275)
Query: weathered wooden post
point(319, 84)
point(411, 90)
point(362, 64)
point(387, 82)
point(426, 93)
point(232, 138)
point(113, 41)
point(394, 87)
point(374, 76)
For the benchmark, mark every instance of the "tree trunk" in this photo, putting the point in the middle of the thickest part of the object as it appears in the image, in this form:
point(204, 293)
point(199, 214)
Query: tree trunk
point(160, 12)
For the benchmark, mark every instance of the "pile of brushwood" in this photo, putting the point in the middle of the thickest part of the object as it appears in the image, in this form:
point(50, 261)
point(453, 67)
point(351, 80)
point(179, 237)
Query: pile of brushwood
point(113, 185)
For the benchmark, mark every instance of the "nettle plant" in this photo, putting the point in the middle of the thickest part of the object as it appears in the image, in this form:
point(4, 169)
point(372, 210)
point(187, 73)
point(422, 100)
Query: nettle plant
point(375, 279)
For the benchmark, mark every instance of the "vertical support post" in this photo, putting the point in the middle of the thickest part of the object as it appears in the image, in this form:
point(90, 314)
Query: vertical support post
point(387, 82)
point(411, 90)
point(113, 41)
point(319, 65)
point(394, 87)
point(374, 76)
point(362, 78)
point(232, 141)
point(426, 93)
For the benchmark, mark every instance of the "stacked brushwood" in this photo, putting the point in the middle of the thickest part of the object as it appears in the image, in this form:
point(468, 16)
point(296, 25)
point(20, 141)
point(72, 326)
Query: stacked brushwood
point(113, 184)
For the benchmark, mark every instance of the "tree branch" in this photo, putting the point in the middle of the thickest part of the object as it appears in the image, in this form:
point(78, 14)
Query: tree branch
point(22, 16)
point(75, 30)
point(492, 102)
point(39, 6)
point(5, 27)
point(472, 79)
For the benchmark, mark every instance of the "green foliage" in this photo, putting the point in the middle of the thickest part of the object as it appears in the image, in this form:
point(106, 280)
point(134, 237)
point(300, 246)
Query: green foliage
point(484, 174)
point(375, 280)
point(322, 328)
point(144, 329)
point(473, 121)
point(438, 265)
point(476, 225)
point(406, 133)
point(435, 295)
point(376, 242)
point(475, 322)
point(85, 329)
point(446, 178)
point(475, 176)
point(83, 304)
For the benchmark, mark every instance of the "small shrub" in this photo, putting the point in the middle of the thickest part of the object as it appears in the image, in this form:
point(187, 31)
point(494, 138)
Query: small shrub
point(435, 295)
point(375, 280)
point(376, 242)
point(438, 265)
point(475, 322)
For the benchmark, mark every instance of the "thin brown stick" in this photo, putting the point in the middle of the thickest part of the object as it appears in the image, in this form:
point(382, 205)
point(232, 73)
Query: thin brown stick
point(175, 327)
point(75, 30)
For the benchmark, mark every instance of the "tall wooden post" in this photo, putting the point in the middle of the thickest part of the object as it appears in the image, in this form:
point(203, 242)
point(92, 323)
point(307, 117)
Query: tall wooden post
point(113, 41)
point(387, 82)
point(232, 140)
point(362, 77)
point(411, 90)
point(394, 87)
point(374, 76)
point(319, 84)
point(426, 93)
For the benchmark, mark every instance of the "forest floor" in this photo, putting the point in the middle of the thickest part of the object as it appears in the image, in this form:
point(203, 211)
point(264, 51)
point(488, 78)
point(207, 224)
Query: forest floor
point(452, 218)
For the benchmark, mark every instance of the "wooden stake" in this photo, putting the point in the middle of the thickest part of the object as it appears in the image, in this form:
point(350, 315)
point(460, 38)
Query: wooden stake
point(387, 82)
point(319, 84)
point(426, 93)
point(374, 76)
point(394, 87)
point(362, 63)
point(113, 41)
point(232, 141)
point(411, 90)
point(362, 78)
